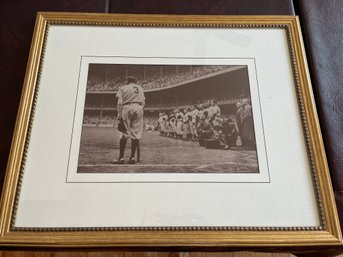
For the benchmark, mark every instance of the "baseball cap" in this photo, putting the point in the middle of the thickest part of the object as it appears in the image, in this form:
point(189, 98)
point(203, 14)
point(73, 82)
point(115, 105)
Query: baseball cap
point(131, 79)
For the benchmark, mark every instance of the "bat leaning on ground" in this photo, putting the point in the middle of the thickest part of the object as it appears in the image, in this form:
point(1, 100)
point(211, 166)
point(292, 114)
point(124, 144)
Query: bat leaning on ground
point(138, 153)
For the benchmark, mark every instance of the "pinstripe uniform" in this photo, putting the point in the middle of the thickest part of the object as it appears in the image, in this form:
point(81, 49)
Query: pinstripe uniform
point(131, 101)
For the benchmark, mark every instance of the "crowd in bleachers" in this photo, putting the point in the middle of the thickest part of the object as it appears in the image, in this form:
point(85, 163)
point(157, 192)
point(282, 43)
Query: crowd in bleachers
point(96, 120)
point(98, 84)
point(154, 80)
point(205, 124)
point(150, 122)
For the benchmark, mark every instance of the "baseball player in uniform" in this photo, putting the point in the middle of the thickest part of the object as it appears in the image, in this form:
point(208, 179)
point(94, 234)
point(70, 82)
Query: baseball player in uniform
point(131, 101)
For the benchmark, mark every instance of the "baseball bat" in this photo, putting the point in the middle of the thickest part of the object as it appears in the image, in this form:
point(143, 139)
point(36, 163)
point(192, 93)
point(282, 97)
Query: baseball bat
point(138, 153)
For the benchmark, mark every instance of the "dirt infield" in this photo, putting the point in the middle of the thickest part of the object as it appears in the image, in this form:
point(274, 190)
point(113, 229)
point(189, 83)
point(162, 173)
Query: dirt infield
point(99, 146)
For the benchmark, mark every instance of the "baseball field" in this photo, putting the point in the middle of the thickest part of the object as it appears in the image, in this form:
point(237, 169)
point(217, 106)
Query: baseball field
point(100, 145)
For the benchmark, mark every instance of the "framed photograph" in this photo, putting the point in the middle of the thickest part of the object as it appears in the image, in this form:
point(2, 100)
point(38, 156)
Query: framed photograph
point(158, 130)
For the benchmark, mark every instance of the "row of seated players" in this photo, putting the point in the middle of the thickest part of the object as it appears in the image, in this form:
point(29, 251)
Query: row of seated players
point(203, 123)
point(152, 81)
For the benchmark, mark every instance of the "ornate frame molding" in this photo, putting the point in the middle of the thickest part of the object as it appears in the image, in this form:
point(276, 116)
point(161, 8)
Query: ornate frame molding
point(327, 233)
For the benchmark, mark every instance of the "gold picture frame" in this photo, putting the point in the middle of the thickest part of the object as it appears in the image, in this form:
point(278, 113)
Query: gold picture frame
point(327, 233)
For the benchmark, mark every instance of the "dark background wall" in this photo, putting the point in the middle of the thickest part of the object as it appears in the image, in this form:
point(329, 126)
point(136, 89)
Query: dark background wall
point(321, 23)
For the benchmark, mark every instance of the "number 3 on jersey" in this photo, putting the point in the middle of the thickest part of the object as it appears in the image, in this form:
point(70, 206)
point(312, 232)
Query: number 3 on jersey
point(135, 90)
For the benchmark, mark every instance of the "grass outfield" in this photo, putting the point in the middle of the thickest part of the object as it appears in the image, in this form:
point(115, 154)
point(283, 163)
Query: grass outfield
point(99, 146)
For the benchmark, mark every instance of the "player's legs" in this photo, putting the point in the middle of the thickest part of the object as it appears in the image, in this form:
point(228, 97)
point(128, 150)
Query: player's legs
point(231, 139)
point(122, 145)
point(222, 141)
point(179, 128)
point(134, 145)
point(135, 128)
point(123, 138)
point(136, 125)
point(127, 117)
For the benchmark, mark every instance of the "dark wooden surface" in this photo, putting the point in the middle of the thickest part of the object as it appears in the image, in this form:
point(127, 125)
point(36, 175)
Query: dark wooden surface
point(219, 7)
point(139, 254)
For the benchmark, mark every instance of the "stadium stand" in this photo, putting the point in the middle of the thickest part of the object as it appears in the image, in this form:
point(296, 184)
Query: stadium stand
point(159, 79)
point(95, 120)
point(167, 88)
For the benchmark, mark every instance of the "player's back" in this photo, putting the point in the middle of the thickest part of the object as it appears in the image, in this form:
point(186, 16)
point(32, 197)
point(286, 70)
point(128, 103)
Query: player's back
point(132, 93)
